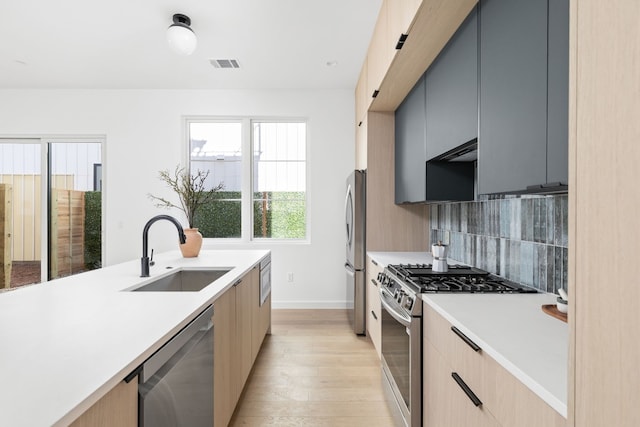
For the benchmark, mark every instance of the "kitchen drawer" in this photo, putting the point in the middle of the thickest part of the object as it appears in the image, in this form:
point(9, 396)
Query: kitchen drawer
point(514, 404)
point(445, 403)
point(468, 362)
point(373, 304)
point(508, 400)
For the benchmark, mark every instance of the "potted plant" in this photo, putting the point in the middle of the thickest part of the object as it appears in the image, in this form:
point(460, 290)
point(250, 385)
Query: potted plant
point(193, 194)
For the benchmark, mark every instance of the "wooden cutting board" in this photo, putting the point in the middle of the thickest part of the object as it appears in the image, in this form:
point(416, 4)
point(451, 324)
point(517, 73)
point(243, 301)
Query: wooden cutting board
point(552, 310)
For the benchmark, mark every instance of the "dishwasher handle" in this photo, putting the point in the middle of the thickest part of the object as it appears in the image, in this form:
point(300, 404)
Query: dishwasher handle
point(156, 361)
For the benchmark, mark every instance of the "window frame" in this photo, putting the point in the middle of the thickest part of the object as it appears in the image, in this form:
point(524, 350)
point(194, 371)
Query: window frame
point(247, 219)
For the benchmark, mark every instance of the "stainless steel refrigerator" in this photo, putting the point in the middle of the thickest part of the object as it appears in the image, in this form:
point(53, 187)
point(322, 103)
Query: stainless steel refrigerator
point(355, 218)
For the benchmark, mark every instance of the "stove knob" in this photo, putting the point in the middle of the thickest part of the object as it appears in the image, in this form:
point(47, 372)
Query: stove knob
point(408, 303)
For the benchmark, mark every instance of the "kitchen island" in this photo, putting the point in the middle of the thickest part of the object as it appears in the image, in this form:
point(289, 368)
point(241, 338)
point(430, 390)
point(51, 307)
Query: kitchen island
point(67, 342)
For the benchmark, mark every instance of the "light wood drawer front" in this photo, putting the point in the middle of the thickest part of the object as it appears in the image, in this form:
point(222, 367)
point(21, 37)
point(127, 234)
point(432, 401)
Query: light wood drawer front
point(470, 364)
point(444, 402)
point(514, 404)
point(373, 305)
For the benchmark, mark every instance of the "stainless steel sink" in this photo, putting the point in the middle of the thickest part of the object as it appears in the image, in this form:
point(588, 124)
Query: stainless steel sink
point(184, 281)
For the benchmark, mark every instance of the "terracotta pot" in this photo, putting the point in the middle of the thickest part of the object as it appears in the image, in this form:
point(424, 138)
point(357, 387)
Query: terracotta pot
point(191, 248)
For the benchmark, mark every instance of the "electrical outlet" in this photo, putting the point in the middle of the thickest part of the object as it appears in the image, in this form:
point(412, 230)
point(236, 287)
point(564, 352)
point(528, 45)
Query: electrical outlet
point(290, 277)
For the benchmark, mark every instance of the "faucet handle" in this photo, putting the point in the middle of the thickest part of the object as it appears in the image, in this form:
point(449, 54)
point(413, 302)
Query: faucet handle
point(151, 261)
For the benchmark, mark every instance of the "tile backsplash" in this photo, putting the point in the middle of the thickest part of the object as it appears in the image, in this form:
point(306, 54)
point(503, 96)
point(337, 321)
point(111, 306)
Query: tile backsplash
point(521, 238)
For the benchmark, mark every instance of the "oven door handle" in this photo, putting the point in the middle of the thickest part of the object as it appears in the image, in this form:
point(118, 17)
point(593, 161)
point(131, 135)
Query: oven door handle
point(403, 320)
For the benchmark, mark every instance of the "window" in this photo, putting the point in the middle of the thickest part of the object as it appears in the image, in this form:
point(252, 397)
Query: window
point(279, 180)
point(262, 165)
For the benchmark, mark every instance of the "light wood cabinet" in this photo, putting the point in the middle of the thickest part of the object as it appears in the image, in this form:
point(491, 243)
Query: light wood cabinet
point(400, 14)
point(394, 21)
point(239, 327)
point(362, 97)
point(505, 400)
point(604, 155)
point(244, 335)
point(374, 328)
point(390, 227)
point(431, 27)
point(379, 54)
point(260, 315)
point(225, 392)
point(444, 402)
point(119, 407)
point(361, 144)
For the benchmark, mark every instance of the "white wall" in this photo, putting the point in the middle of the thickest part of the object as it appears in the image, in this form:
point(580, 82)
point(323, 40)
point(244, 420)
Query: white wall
point(144, 133)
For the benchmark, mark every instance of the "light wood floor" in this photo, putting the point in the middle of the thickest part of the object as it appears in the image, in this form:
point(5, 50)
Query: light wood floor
point(314, 371)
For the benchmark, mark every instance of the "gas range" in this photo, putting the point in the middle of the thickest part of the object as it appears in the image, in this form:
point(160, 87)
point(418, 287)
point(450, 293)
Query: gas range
point(420, 278)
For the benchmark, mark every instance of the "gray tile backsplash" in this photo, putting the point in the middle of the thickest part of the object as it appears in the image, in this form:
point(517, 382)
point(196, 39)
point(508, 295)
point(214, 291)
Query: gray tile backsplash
point(521, 238)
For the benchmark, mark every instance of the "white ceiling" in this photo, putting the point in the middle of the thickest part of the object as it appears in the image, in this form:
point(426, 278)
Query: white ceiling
point(120, 44)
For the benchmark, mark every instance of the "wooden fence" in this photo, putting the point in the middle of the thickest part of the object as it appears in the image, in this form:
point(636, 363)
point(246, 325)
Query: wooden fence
point(5, 235)
point(67, 233)
point(27, 212)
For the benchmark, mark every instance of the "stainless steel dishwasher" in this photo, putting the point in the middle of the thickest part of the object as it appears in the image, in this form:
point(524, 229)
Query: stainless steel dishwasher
point(176, 382)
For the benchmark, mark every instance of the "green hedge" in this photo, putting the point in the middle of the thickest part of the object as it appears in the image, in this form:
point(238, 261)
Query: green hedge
point(93, 229)
point(282, 215)
point(222, 217)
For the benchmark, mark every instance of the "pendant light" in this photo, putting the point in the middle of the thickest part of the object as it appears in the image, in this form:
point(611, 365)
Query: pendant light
point(180, 36)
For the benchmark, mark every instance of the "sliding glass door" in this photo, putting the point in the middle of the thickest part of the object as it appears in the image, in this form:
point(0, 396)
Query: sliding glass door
point(49, 227)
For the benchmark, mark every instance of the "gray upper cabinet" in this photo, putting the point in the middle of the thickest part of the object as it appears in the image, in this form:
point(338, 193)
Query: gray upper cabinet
point(558, 93)
point(410, 134)
point(523, 126)
point(513, 95)
point(452, 91)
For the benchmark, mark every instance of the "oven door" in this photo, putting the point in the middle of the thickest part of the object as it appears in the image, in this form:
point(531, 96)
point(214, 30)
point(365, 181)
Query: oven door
point(402, 360)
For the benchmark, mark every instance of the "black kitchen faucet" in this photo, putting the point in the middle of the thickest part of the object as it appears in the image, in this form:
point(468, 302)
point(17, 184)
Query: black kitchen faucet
point(145, 241)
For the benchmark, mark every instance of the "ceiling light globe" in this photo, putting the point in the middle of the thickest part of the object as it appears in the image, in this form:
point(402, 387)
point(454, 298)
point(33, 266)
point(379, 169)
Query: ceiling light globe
point(181, 39)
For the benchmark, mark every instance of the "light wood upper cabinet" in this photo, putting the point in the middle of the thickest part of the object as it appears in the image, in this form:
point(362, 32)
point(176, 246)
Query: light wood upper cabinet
point(379, 54)
point(394, 20)
point(400, 14)
point(361, 144)
point(362, 97)
point(119, 407)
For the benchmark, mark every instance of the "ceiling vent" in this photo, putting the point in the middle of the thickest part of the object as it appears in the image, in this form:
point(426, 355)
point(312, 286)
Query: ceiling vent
point(224, 63)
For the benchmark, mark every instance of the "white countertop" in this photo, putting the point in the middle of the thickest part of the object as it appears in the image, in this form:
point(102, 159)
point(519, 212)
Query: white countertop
point(511, 328)
point(67, 342)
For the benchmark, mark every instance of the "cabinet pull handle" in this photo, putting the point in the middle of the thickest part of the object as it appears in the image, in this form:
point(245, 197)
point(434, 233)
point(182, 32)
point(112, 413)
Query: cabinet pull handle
point(470, 394)
point(237, 283)
point(374, 315)
point(374, 262)
point(401, 40)
point(375, 93)
point(466, 339)
point(374, 282)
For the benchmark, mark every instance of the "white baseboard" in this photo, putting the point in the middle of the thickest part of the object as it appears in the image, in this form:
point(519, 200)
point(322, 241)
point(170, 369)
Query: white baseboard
point(311, 304)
